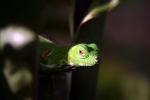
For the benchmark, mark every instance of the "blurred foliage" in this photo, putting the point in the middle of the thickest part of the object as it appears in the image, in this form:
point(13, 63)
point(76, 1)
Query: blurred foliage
point(124, 72)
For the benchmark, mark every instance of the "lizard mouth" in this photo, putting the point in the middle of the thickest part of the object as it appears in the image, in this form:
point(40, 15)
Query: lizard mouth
point(94, 60)
point(98, 60)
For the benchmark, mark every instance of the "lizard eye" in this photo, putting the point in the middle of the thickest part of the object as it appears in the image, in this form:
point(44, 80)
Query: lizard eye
point(81, 53)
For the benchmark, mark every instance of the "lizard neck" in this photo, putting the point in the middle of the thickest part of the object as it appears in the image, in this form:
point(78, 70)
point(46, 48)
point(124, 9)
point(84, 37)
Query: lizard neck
point(50, 53)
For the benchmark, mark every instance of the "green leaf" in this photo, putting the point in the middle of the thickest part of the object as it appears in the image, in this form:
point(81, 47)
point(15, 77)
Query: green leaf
point(95, 11)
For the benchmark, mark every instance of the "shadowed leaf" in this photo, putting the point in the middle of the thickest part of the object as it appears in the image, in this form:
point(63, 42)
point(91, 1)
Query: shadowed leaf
point(95, 11)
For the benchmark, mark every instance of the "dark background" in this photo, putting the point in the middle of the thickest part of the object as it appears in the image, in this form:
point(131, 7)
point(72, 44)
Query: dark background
point(125, 44)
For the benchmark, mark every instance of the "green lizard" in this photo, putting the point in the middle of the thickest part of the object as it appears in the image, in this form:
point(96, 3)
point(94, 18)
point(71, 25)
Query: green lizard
point(78, 55)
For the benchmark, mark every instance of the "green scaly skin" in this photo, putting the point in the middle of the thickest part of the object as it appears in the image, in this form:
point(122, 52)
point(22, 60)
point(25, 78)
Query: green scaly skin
point(83, 55)
point(78, 55)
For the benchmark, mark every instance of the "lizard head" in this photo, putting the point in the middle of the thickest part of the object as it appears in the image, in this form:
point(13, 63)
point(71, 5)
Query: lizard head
point(83, 55)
